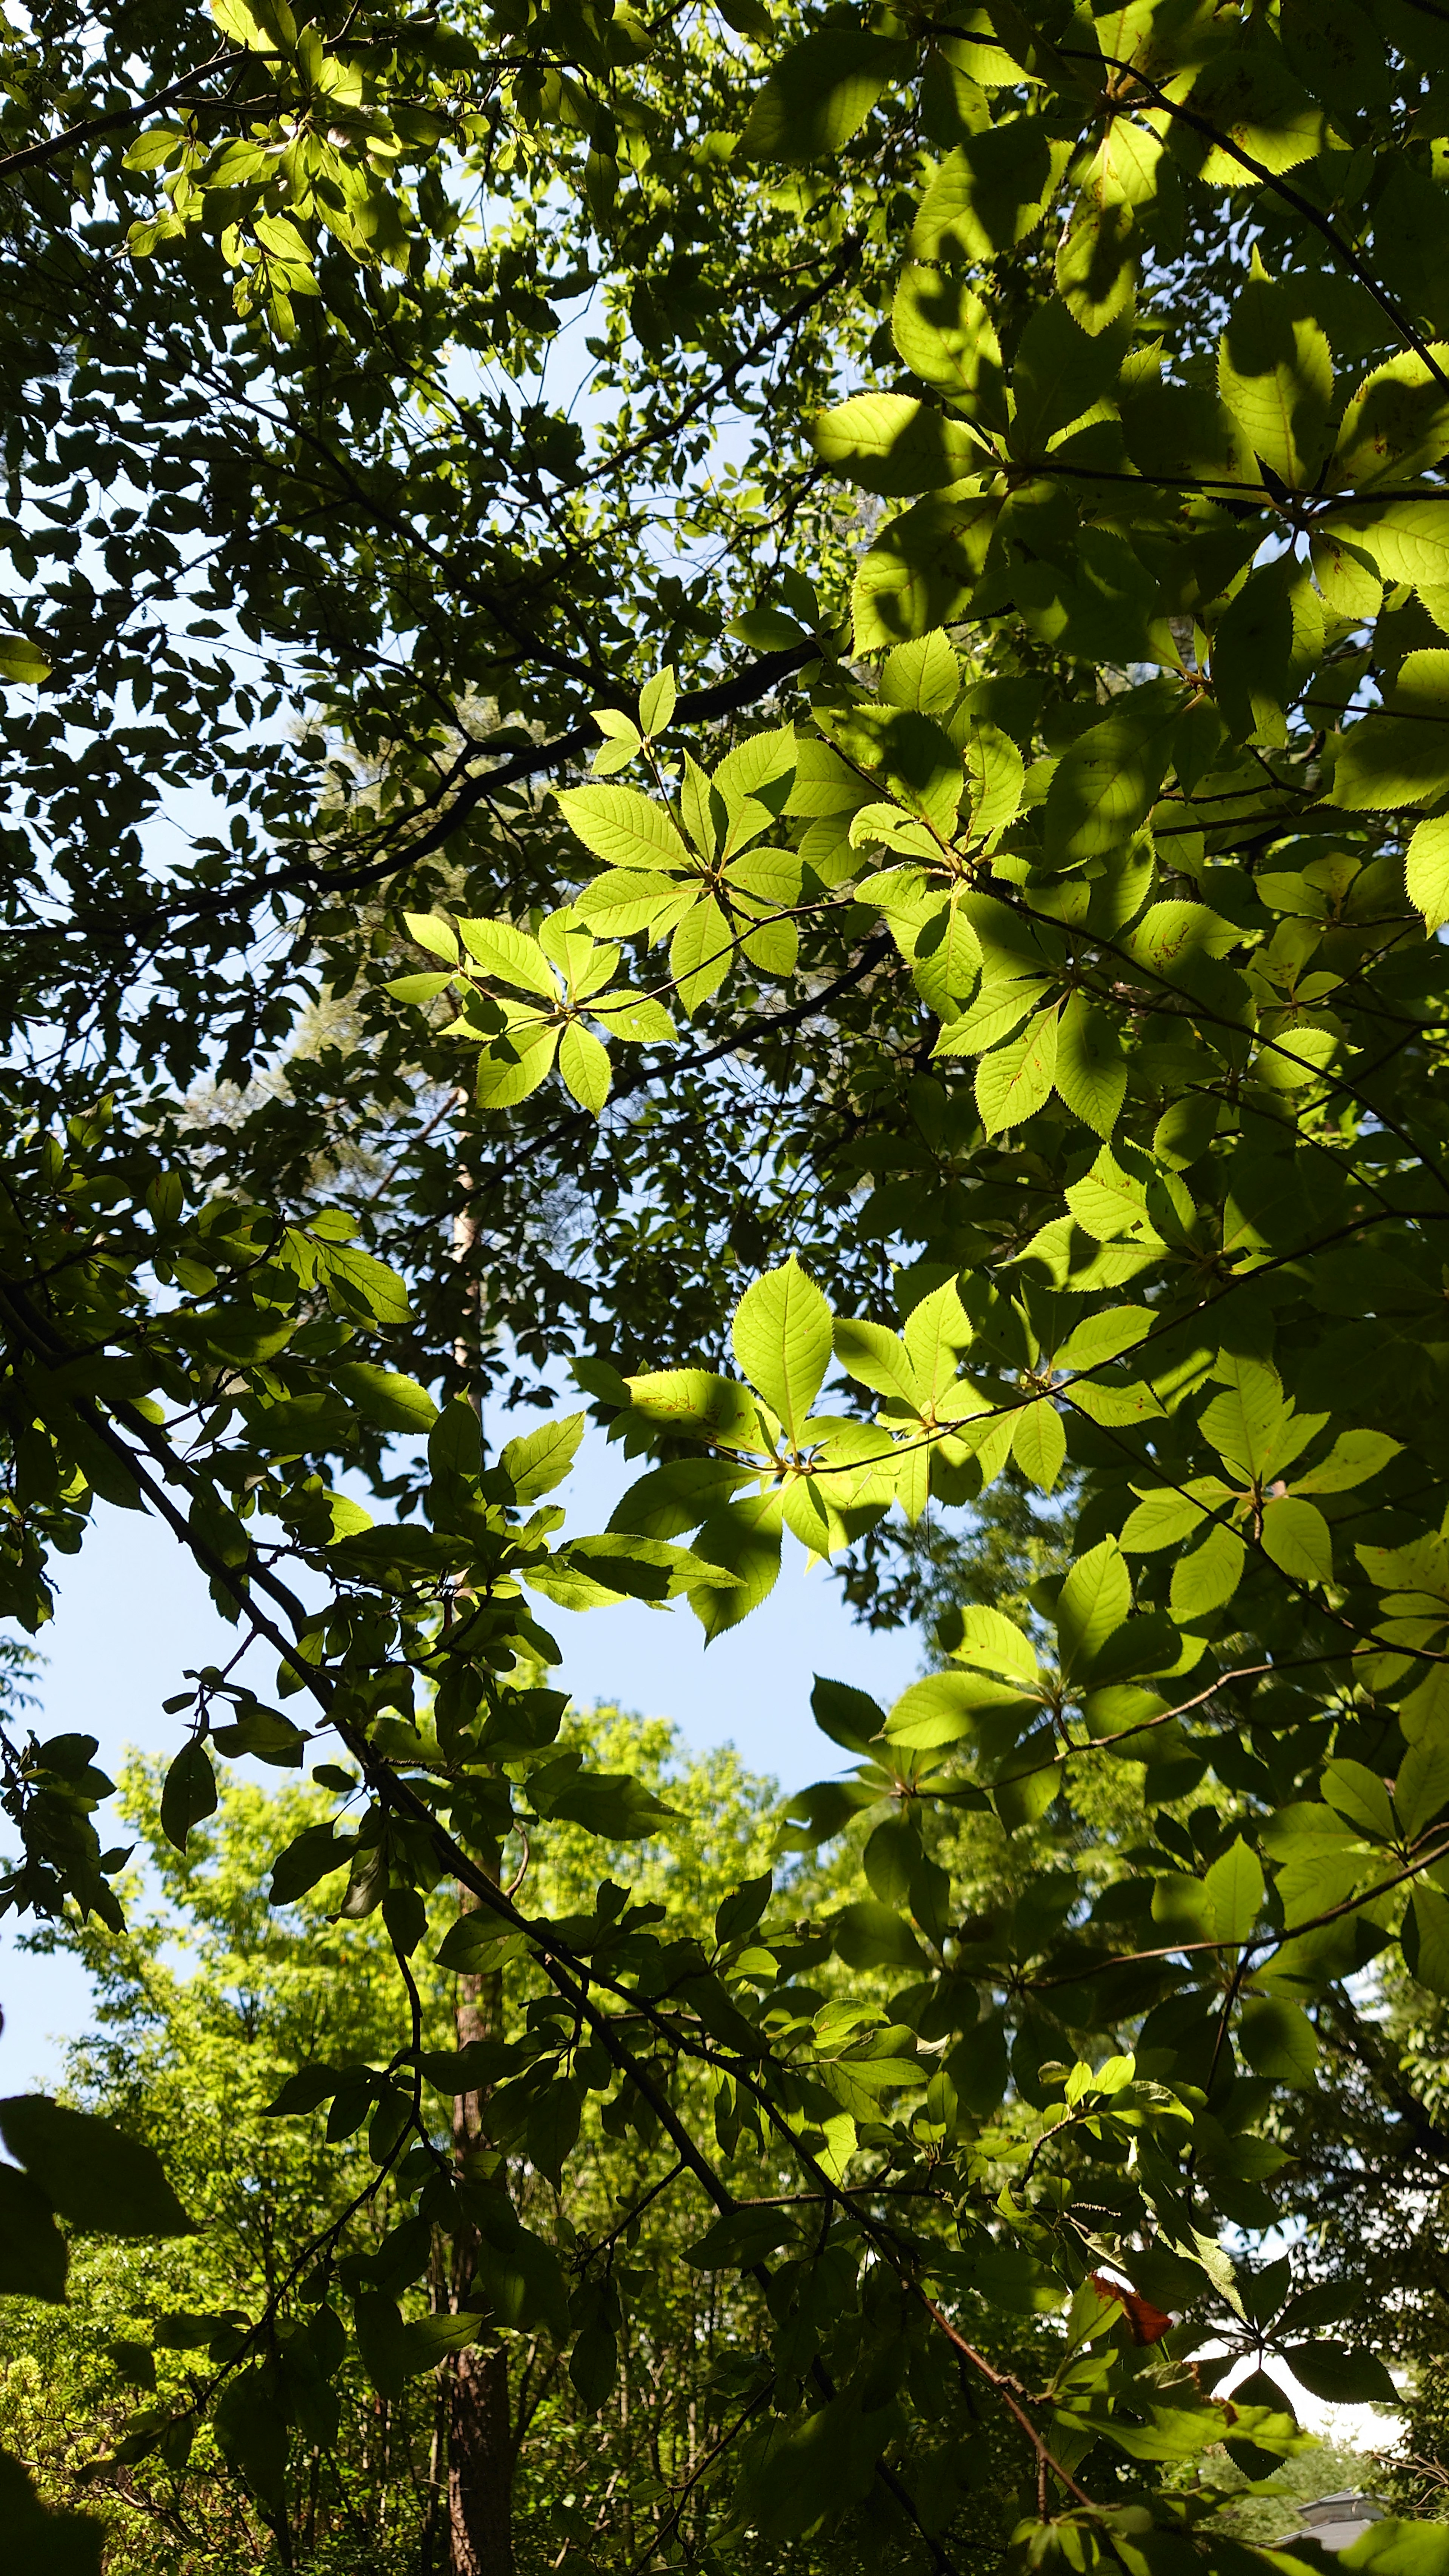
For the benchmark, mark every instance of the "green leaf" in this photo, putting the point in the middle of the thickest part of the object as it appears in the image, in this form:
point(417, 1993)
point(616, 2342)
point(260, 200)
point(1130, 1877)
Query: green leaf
point(1095, 270)
point(740, 2239)
point(1399, 757)
point(153, 149)
point(700, 1406)
point(946, 1708)
point(745, 1539)
point(767, 630)
point(935, 1331)
point(633, 1567)
point(739, 1912)
point(1265, 644)
point(1426, 871)
point(1396, 424)
point(945, 335)
point(1346, 578)
point(1110, 1201)
point(945, 956)
point(188, 1792)
point(1279, 2040)
point(1408, 540)
point(1060, 372)
point(782, 1340)
point(821, 94)
point(701, 953)
point(877, 1357)
point(302, 2092)
point(921, 570)
point(634, 1017)
point(999, 1008)
point(774, 949)
point(509, 955)
point(357, 1285)
point(22, 663)
point(1353, 1459)
point(991, 193)
point(553, 2128)
point(1429, 1963)
point(263, 26)
point(871, 1935)
point(1394, 2548)
point(1248, 97)
point(1090, 1073)
point(395, 1403)
point(1164, 1516)
point(657, 701)
point(513, 1067)
point(266, 1734)
point(425, 2341)
point(419, 988)
point(1105, 784)
point(478, 1943)
point(1275, 375)
point(1296, 1537)
point(33, 2253)
point(1011, 2277)
point(1093, 1603)
point(594, 2366)
point(992, 1643)
point(1421, 1791)
point(996, 776)
point(850, 1717)
point(887, 443)
point(615, 726)
point(623, 828)
point(541, 1459)
point(311, 1855)
point(625, 900)
point(584, 1063)
point(253, 2434)
point(1015, 1080)
point(1039, 1443)
point(1208, 1577)
point(1248, 1424)
point(1344, 2378)
point(102, 2181)
point(1234, 1888)
point(1105, 1336)
point(677, 1497)
point(42, 2543)
point(611, 1804)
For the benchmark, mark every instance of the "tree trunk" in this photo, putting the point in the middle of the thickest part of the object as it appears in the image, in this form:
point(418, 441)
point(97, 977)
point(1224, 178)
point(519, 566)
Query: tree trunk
point(480, 2465)
point(480, 2433)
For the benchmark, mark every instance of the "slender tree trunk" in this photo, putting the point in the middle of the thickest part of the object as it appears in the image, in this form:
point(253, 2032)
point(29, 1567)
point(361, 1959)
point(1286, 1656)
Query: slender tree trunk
point(480, 2443)
point(480, 2465)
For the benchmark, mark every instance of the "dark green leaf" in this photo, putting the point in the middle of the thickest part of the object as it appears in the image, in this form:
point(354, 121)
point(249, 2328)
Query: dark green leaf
point(100, 2180)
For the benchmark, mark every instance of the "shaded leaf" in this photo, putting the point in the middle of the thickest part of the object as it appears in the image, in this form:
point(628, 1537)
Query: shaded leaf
point(821, 94)
point(100, 2180)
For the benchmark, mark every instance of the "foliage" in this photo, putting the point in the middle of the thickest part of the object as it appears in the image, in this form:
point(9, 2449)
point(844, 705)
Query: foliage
point(211, 2002)
point(1078, 880)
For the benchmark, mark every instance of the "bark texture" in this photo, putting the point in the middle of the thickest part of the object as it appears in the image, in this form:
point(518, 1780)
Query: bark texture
point(481, 2446)
point(480, 2429)
point(480, 2465)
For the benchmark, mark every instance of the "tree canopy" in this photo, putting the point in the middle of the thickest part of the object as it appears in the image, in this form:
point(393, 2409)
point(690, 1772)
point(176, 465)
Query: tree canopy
point(852, 842)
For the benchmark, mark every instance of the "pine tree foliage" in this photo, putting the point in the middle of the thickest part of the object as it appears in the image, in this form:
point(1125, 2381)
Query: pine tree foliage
point(955, 836)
